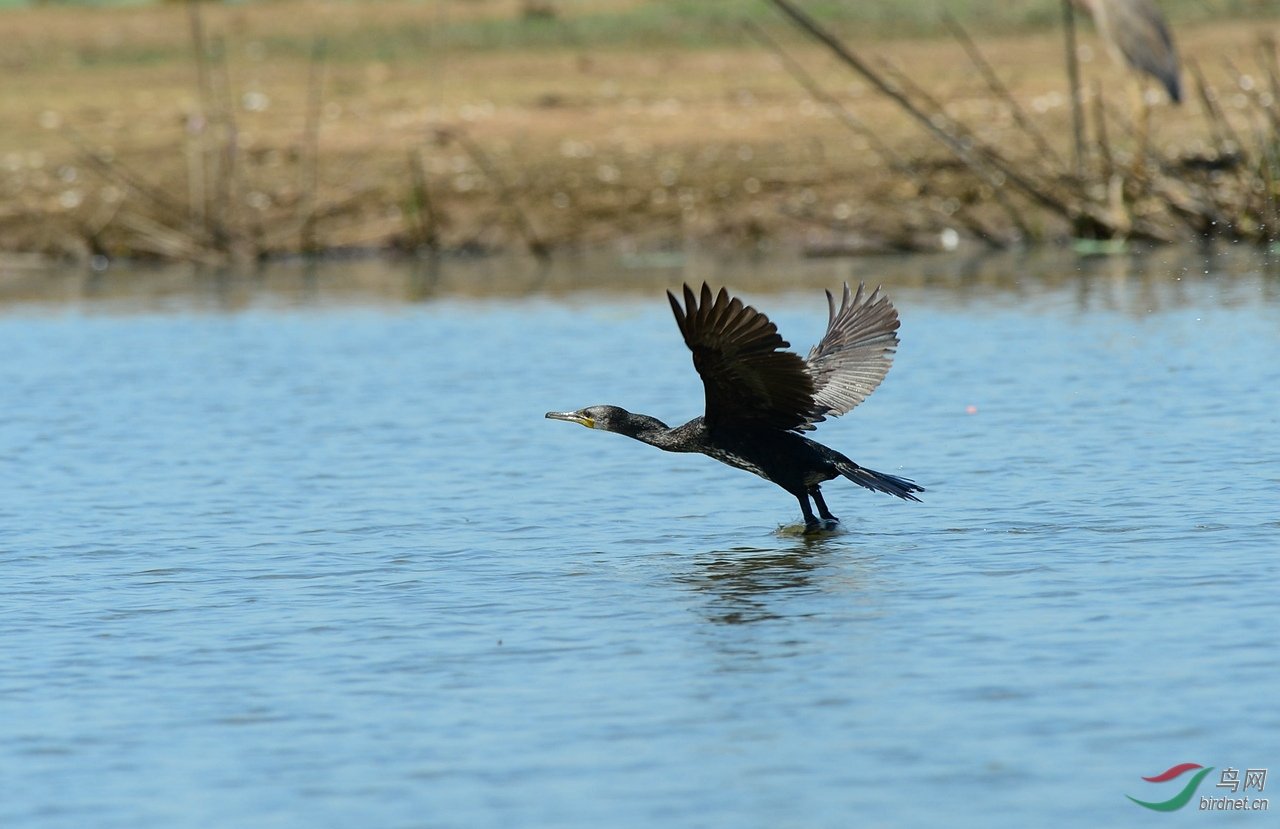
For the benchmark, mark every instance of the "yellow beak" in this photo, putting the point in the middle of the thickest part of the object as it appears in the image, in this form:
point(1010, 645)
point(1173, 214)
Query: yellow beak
point(573, 417)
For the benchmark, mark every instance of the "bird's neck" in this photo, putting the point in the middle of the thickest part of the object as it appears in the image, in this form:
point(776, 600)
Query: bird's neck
point(643, 428)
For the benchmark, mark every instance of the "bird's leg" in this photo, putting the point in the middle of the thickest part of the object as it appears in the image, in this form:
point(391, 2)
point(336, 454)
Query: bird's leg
point(810, 522)
point(822, 505)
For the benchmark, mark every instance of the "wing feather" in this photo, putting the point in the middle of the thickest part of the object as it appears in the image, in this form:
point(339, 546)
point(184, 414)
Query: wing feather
point(749, 377)
point(746, 374)
point(854, 355)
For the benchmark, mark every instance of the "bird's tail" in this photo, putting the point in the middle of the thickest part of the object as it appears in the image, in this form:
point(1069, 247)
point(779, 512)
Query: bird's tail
point(879, 481)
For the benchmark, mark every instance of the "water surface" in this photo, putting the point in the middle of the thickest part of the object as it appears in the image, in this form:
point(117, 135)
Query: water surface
point(297, 548)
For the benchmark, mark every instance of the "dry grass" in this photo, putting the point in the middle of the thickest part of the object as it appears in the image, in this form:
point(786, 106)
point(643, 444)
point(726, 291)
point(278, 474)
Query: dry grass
point(500, 148)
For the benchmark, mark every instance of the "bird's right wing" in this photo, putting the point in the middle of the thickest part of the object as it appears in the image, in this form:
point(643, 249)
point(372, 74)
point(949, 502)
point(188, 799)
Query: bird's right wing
point(855, 354)
point(738, 352)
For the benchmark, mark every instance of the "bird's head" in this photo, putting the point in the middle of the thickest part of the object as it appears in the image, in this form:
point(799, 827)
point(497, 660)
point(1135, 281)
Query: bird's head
point(606, 418)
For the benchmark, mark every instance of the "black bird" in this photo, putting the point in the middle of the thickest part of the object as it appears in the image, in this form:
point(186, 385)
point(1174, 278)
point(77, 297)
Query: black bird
point(760, 397)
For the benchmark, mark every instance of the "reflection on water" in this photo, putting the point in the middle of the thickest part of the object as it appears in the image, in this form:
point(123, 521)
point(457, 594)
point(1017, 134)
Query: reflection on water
point(1139, 283)
point(740, 580)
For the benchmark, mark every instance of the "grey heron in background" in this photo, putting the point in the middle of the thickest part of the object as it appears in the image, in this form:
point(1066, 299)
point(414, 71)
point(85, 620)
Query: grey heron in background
point(1136, 34)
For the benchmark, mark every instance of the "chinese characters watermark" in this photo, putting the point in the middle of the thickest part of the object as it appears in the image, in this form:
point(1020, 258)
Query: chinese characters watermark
point(1253, 779)
point(1230, 779)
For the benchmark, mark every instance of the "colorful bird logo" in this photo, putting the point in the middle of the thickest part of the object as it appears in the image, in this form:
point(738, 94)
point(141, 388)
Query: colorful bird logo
point(1180, 799)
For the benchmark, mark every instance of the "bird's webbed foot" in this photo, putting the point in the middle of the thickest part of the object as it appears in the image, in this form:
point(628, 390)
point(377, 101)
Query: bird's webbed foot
point(821, 525)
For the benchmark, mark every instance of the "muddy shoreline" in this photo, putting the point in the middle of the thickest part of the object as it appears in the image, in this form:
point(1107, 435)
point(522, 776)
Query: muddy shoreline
point(271, 154)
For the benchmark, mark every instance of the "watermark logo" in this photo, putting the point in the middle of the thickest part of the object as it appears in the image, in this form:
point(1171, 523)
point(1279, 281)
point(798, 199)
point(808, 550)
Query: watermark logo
point(1228, 779)
point(1181, 798)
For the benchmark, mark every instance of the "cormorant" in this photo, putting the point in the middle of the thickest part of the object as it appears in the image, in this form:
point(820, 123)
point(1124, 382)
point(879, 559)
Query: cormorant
point(759, 398)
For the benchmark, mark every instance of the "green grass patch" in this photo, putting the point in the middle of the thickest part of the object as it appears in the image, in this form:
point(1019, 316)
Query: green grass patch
point(453, 27)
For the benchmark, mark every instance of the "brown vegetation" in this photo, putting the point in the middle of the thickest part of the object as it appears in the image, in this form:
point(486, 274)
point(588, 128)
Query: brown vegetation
point(283, 139)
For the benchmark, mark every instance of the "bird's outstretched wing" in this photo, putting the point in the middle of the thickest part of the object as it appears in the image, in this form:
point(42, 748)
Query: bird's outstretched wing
point(854, 355)
point(747, 376)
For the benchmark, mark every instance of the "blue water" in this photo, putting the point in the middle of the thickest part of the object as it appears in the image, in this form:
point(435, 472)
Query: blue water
point(305, 556)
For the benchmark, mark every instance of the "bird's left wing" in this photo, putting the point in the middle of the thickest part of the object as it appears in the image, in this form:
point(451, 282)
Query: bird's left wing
point(738, 352)
point(854, 355)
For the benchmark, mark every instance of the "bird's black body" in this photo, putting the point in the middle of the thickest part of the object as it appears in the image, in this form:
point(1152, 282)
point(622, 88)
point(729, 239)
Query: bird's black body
point(759, 397)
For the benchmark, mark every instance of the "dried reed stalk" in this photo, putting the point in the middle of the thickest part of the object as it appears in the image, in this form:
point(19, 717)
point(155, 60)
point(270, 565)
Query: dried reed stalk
point(426, 223)
point(987, 165)
point(196, 150)
point(228, 230)
point(853, 122)
point(1000, 90)
point(311, 147)
point(510, 200)
point(1073, 81)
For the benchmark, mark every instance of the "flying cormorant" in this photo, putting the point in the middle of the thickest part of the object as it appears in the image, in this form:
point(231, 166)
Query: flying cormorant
point(759, 398)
